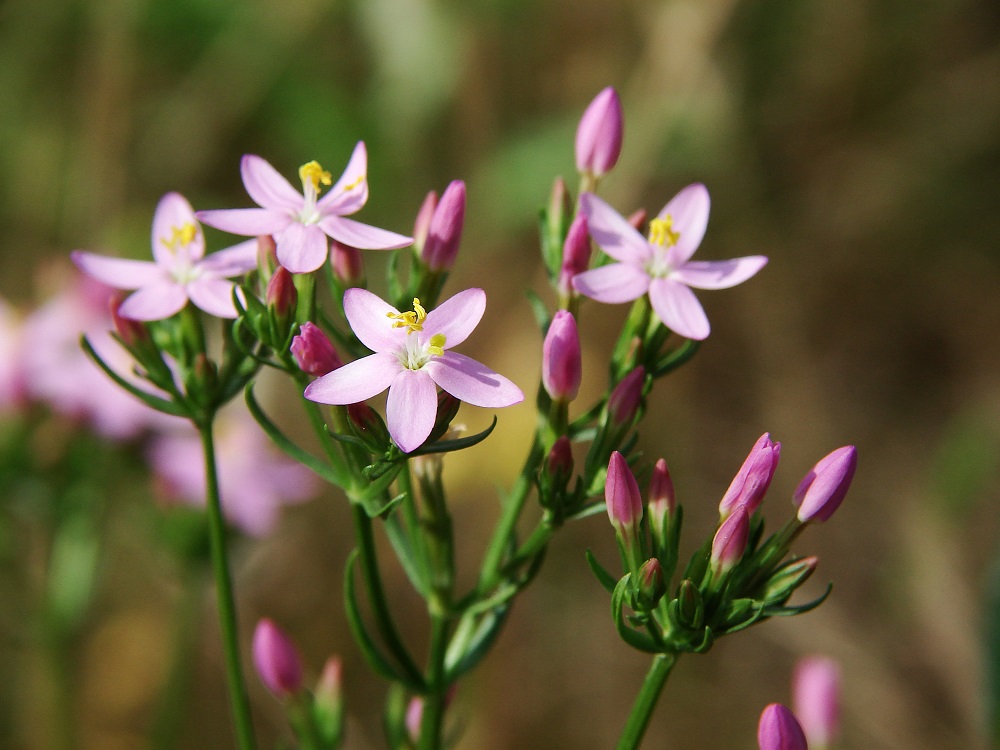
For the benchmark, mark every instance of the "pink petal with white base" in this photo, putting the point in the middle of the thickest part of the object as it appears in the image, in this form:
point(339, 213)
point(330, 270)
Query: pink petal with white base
point(455, 318)
point(154, 302)
point(719, 274)
point(247, 221)
point(350, 192)
point(267, 187)
point(688, 211)
point(411, 408)
point(612, 232)
point(362, 236)
point(678, 309)
point(368, 315)
point(302, 249)
point(472, 382)
point(233, 261)
point(173, 212)
point(214, 296)
point(356, 381)
point(619, 282)
point(117, 272)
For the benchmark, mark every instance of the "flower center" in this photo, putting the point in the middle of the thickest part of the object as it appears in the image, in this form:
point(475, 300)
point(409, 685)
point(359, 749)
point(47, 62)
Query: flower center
point(183, 270)
point(413, 320)
point(415, 355)
point(180, 236)
point(662, 232)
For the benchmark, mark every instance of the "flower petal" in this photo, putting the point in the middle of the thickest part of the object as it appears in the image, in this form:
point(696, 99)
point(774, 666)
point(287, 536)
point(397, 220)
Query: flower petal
point(678, 308)
point(612, 232)
point(267, 187)
point(411, 408)
point(233, 261)
point(368, 315)
point(362, 236)
point(356, 381)
point(251, 222)
point(350, 192)
point(118, 272)
point(214, 296)
point(173, 212)
point(455, 318)
point(301, 248)
point(619, 282)
point(689, 213)
point(718, 274)
point(472, 382)
point(154, 302)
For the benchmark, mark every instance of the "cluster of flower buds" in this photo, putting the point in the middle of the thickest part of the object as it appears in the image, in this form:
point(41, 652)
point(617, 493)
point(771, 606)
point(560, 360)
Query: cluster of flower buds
point(735, 579)
point(317, 716)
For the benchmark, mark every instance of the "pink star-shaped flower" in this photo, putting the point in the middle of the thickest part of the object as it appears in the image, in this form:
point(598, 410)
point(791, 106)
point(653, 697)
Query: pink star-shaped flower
point(301, 222)
point(661, 265)
point(411, 358)
point(179, 273)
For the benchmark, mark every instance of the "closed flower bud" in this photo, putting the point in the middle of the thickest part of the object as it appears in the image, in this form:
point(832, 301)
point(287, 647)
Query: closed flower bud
point(313, 351)
point(816, 698)
point(690, 605)
point(754, 477)
point(347, 264)
point(651, 585)
point(599, 134)
point(624, 401)
point(560, 205)
point(621, 493)
point(131, 332)
point(328, 701)
point(422, 225)
point(662, 502)
point(561, 358)
point(369, 427)
point(445, 231)
point(789, 577)
point(559, 463)
point(576, 254)
point(267, 256)
point(730, 541)
point(638, 219)
point(447, 408)
point(823, 489)
point(276, 660)
point(779, 730)
point(281, 296)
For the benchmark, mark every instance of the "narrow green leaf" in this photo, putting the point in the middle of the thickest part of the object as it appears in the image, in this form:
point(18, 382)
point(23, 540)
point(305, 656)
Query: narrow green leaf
point(603, 576)
point(799, 610)
point(447, 446)
point(634, 638)
point(154, 402)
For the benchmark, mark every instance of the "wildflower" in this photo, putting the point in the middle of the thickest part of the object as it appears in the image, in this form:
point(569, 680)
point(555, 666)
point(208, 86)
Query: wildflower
point(445, 228)
point(599, 134)
point(661, 265)
point(179, 271)
point(301, 222)
point(754, 477)
point(561, 358)
point(624, 503)
point(779, 730)
point(824, 488)
point(276, 660)
point(411, 357)
point(313, 351)
point(816, 690)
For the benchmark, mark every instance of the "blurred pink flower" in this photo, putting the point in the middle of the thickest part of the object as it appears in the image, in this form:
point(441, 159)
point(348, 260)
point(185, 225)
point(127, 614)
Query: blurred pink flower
point(301, 222)
point(254, 481)
point(179, 271)
point(816, 693)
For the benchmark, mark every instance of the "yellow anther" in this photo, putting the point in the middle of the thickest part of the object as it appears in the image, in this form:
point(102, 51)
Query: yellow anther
point(313, 174)
point(436, 345)
point(661, 232)
point(179, 236)
point(414, 319)
point(354, 184)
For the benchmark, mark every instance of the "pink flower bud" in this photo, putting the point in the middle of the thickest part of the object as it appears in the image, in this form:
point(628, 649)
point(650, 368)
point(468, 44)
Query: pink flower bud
point(779, 730)
point(621, 493)
point(414, 716)
point(560, 203)
point(267, 255)
point(823, 489)
point(651, 584)
point(561, 359)
point(422, 225)
point(445, 231)
point(816, 697)
point(754, 477)
point(281, 295)
point(626, 397)
point(560, 460)
point(730, 541)
point(576, 254)
point(313, 351)
point(638, 219)
point(328, 700)
point(662, 502)
point(599, 134)
point(348, 266)
point(276, 660)
point(131, 332)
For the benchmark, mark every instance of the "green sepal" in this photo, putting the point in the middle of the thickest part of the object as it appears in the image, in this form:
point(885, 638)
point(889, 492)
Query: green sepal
point(800, 609)
point(603, 576)
point(486, 633)
point(634, 638)
point(738, 615)
point(154, 402)
point(369, 650)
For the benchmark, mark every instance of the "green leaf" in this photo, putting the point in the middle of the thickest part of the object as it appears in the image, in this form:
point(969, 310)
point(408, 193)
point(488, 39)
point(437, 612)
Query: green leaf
point(634, 638)
point(447, 446)
point(799, 610)
point(482, 640)
point(154, 402)
point(603, 576)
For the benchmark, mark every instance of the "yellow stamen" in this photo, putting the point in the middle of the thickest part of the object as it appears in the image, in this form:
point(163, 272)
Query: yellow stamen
point(354, 184)
point(661, 232)
point(414, 320)
point(180, 236)
point(436, 345)
point(313, 174)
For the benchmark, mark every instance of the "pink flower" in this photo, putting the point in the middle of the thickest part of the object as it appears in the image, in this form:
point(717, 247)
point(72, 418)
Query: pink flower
point(444, 232)
point(562, 368)
point(180, 271)
point(661, 265)
point(730, 541)
point(276, 659)
point(754, 477)
point(411, 358)
point(622, 498)
point(824, 488)
point(301, 222)
point(779, 730)
point(599, 134)
point(254, 482)
point(816, 690)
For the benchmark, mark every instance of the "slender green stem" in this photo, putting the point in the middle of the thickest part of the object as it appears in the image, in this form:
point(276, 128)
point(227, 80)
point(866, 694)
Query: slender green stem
point(644, 704)
point(224, 595)
point(432, 720)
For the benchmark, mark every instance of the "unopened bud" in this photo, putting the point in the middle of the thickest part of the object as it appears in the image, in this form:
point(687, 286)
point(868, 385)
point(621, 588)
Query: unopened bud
point(559, 463)
point(576, 254)
point(267, 256)
point(560, 206)
point(621, 493)
point(624, 401)
point(276, 660)
point(690, 605)
point(313, 351)
point(823, 489)
point(131, 332)
point(369, 427)
point(348, 266)
point(281, 296)
point(422, 225)
point(328, 702)
point(445, 232)
point(786, 579)
point(599, 134)
point(816, 698)
point(730, 541)
point(562, 368)
point(651, 585)
point(638, 219)
point(754, 477)
point(779, 730)
point(447, 409)
point(662, 502)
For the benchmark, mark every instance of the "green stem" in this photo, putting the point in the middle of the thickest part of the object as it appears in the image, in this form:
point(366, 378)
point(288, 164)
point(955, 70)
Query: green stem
point(644, 704)
point(224, 594)
point(432, 720)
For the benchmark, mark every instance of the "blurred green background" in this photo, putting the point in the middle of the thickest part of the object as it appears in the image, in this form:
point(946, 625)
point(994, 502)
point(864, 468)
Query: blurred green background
point(856, 143)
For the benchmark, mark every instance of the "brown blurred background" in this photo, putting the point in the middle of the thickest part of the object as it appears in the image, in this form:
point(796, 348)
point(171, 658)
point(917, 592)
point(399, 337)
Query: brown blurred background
point(856, 143)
